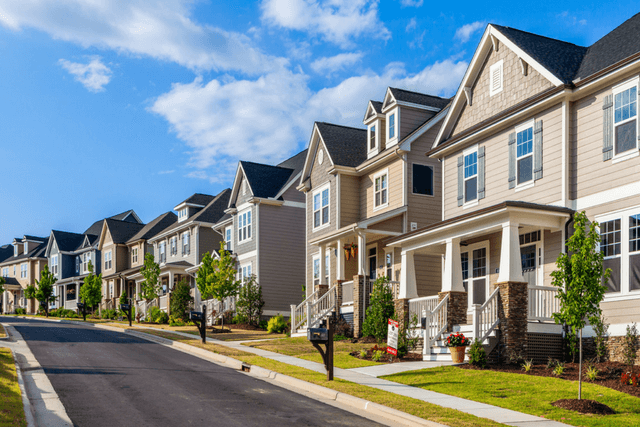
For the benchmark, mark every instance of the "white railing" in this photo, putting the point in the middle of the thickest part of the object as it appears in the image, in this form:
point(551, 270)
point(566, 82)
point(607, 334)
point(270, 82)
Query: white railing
point(141, 308)
point(436, 323)
point(164, 299)
point(543, 302)
point(420, 306)
point(485, 316)
point(347, 292)
point(395, 288)
point(318, 310)
point(299, 312)
point(216, 309)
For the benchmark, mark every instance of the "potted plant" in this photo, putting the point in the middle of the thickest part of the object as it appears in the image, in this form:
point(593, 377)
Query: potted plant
point(457, 344)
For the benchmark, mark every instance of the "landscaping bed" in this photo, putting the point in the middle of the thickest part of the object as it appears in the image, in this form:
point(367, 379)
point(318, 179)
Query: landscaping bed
point(609, 376)
point(379, 354)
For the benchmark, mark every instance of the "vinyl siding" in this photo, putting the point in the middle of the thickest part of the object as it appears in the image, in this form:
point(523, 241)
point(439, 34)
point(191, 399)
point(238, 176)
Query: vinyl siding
point(349, 200)
point(411, 119)
point(428, 274)
point(621, 311)
point(552, 249)
point(395, 189)
point(546, 190)
point(292, 194)
point(243, 198)
point(208, 241)
point(246, 245)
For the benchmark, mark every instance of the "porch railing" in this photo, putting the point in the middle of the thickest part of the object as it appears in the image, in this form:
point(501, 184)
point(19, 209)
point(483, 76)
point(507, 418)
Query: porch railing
point(543, 303)
point(164, 300)
point(216, 309)
point(419, 306)
point(347, 292)
point(436, 323)
point(485, 316)
point(299, 312)
point(323, 306)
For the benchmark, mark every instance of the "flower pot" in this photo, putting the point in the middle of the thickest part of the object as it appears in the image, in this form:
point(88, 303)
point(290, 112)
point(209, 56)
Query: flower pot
point(457, 354)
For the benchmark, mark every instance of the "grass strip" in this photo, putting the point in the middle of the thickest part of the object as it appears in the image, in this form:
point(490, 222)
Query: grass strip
point(411, 406)
point(3, 332)
point(526, 393)
point(11, 409)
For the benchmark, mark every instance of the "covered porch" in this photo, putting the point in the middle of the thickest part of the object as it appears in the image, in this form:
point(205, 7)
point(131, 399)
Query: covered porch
point(67, 293)
point(13, 296)
point(170, 275)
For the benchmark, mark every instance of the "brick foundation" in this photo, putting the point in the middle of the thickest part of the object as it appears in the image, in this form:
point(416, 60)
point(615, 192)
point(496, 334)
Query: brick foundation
point(512, 311)
point(456, 308)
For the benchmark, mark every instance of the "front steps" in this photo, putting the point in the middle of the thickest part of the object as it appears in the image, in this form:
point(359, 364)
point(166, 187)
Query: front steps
point(440, 353)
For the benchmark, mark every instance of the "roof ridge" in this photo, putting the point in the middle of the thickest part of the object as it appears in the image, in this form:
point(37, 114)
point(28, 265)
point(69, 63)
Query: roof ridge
point(266, 164)
point(342, 126)
point(545, 37)
point(420, 93)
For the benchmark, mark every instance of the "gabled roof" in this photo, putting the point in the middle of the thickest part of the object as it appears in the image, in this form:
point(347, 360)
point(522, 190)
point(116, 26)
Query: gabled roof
point(373, 109)
point(121, 231)
point(402, 95)
point(37, 252)
point(154, 227)
point(66, 241)
point(96, 228)
point(33, 238)
point(346, 146)
point(197, 199)
point(6, 251)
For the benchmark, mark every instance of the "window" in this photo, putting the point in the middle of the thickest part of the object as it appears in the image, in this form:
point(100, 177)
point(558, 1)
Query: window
point(634, 233)
point(54, 264)
point(624, 118)
point(422, 179)
point(227, 238)
point(110, 289)
point(321, 207)
point(471, 176)
point(480, 262)
point(174, 246)
point(182, 214)
point(107, 260)
point(496, 77)
point(373, 256)
point(23, 270)
point(163, 253)
point(5, 272)
point(380, 192)
point(186, 243)
point(316, 269)
point(372, 137)
point(524, 155)
point(244, 226)
point(15, 250)
point(389, 265)
point(246, 273)
point(392, 126)
point(78, 265)
point(134, 255)
point(610, 238)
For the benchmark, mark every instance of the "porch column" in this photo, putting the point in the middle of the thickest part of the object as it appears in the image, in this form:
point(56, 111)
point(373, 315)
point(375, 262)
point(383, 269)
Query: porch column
point(452, 275)
point(323, 267)
point(362, 254)
point(78, 292)
point(137, 290)
point(5, 299)
point(510, 264)
point(340, 262)
point(170, 285)
point(408, 286)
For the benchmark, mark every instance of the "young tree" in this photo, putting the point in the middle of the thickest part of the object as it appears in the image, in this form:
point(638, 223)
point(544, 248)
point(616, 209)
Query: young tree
point(44, 293)
point(217, 277)
point(181, 300)
point(91, 289)
point(250, 301)
point(2, 282)
point(580, 279)
point(150, 288)
point(381, 309)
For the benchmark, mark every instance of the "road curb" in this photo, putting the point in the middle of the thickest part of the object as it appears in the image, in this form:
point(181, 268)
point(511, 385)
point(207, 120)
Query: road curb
point(26, 403)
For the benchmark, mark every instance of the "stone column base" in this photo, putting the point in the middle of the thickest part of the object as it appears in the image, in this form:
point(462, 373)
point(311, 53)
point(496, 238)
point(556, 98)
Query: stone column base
point(322, 289)
point(513, 312)
point(456, 308)
point(359, 307)
point(402, 312)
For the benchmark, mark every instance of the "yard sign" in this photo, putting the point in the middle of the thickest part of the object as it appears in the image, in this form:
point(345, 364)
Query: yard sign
point(392, 338)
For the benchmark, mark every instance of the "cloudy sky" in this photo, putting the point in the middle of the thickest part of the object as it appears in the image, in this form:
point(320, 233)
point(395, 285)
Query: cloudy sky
point(113, 105)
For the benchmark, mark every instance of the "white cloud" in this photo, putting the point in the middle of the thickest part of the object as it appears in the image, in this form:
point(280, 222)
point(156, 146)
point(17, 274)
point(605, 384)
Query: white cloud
point(268, 118)
point(161, 29)
point(166, 172)
point(335, 63)
point(411, 3)
point(94, 75)
point(337, 21)
point(465, 32)
point(412, 25)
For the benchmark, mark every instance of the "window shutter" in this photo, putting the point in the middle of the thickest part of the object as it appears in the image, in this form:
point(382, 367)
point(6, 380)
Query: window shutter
point(607, 128)
point(460, 180)
point(537, 150)
point(480, 172)
point(512, 160)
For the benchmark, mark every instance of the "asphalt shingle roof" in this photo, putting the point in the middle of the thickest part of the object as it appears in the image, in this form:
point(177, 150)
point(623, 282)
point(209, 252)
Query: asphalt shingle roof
point(198, 199)
point(67, 241)
point(6, 251)
point(377, 105)
point(154, 227)
point(347, 146)
point(37, 252)
point(121, 231)
point(265, 180)
point(96, 227)
point(419, 98)
point(37, 239)
point(210, 213)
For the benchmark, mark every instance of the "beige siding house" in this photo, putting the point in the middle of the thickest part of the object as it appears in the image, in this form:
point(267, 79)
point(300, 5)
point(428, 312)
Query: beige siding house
point(22, 270)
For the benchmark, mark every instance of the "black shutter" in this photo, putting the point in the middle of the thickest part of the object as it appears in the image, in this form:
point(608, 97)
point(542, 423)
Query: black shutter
point(607, 128)
point(460, 180)
point(537, 150)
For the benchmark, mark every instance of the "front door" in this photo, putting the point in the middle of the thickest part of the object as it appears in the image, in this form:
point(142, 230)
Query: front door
point(528, 260)
point(372, 264)
point(475, 271)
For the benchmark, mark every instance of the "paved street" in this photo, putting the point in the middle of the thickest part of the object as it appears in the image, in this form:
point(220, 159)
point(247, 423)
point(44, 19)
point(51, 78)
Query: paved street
point(106, 378)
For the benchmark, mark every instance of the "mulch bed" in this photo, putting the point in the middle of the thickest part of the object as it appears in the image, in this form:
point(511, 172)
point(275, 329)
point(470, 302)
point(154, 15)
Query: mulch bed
point(609, 376)
point(584, 406)
point(386, 357)
point(244, 326)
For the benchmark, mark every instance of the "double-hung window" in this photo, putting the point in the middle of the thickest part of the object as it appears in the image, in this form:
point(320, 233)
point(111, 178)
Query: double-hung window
point(372, 137)
point(392, 126)
point(5, 272)
point(244, 226)
point(85, 262)
point(54, 264)
point(471, 176)
point(163, 252)
point(611, 247)
point(174, 246)
point(625, 101)
point(246, 273)
point(23, 270)
point(524, 155)
point(107, 260)
point(321, 207)
point(381, 190)
point(186, 243)
point(227, 238)
point(134, 255)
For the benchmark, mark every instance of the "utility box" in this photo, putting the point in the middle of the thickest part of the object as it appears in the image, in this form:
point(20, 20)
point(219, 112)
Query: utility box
point(318, 335)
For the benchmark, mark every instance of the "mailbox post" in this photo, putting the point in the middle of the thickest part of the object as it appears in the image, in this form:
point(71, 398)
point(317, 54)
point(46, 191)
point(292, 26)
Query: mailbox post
point(126, 308)
point(82, 308)
point(200, 319)
point(324, 336)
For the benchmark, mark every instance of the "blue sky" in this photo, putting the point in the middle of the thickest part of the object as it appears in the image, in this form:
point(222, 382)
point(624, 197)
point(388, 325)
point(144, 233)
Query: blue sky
point(107, 106)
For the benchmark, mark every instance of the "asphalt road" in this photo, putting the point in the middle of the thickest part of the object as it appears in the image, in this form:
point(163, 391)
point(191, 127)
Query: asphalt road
point(106, 378)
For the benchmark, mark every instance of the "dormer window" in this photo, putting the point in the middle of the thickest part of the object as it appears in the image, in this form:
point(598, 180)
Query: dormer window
point(392, 126)
point(15, 250)
point(372, 137)
point(182, 214)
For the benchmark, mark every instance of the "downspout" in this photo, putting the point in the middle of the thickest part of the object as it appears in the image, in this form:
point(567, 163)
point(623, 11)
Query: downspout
point(405, 178)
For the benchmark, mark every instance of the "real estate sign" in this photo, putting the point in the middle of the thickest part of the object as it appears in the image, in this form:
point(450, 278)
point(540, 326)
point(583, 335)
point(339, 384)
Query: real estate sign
point(392, 338)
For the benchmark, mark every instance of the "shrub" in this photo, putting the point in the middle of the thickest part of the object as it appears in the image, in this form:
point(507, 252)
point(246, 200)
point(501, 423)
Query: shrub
point(21, 311)
point(376, 356)
point(250, 301)
point(340, 337)
point(162, 318)
point(591, 373)
point(380, 310)
point(629, 352)
point(559, 369)
point(109, 314)
point(364, 353)
point(181, 300)
point(527, 365)
point(239, 318)
point(601, 329)
point(263, 324)
point(477, 355)
point(343, 328)
point(277, 324)
point(155, 315)
point(176, 321)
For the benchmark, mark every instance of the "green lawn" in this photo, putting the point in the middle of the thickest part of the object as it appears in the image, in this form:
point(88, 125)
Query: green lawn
point(525, 393)
point(450, 417)
point(3, 333)
point(301, 348)
point(11, 410)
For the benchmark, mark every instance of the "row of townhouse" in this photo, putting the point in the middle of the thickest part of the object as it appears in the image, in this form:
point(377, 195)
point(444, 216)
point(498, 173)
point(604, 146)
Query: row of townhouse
point(465, 204)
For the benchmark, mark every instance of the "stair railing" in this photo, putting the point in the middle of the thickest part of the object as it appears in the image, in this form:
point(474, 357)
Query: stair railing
point(323, 306)
point(485, 316)
point(299, 312)
point(435, 322)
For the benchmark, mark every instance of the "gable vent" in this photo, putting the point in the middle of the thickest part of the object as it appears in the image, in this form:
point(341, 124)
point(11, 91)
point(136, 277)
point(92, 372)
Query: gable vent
point(496, 76)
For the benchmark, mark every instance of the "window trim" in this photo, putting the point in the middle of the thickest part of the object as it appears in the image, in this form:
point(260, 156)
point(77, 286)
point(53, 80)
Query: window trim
point(326, 186)
point(108, 259)
point(228, 237)
point(433, 176)
point(249, 226)
point(623, 216)
point(54, 264)
point(24, 269)
point(316, 257)
point(634, 152)
point(392, 140)
point(162, 250)
point(474, 202)
point(376, 137)
point(497, 65)
point(380, 174)
point(134, 253)
point(486, 244)
point(522, 127)
point(183, 214)
point(186, 244)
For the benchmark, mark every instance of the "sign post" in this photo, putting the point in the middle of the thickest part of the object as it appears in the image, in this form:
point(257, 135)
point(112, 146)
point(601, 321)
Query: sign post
point(126, 309)
point(392, 337)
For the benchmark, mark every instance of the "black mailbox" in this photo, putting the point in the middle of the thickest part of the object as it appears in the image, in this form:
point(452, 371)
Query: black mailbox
point(80, 305)
point(125, 307)
point(318, 335)
point(195, 316)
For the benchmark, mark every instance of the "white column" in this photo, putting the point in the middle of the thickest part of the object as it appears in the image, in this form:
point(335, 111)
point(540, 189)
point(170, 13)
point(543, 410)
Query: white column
point(323, 267)
point(452, 275)
point(5, 298)
point(408, 286)
point(362, 254)
point(137, 290)
point(340, 262)
point(78, 292)
point(510, 264)
point(170, 285)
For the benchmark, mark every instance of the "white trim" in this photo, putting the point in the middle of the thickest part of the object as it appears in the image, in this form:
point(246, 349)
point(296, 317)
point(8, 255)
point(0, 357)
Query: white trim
point(486, 244)
point(617, 158)
point(319, 190)
point(316, 139)
point(417, 106)
point(371, 152)
point(286, 187)
point(525, 186)
point(471, 203)
point(247, 255)
point(377, 175)
point(497, 67)
point(564, 198)
point(607, 196)
point(249, 227)
point(338, 197)
point(624, 86)
point(294, 204)
point(185, 204)
point(396, 127)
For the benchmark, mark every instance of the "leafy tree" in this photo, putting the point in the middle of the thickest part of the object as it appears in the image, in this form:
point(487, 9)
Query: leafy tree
point(150, 288)
point(2, 282)
point(217, 277)
point(181, 300)
point(91, 290)
point(250, 301)
point(44, 293)
point(30, 292)
point(580, 279)
point(381, 309)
